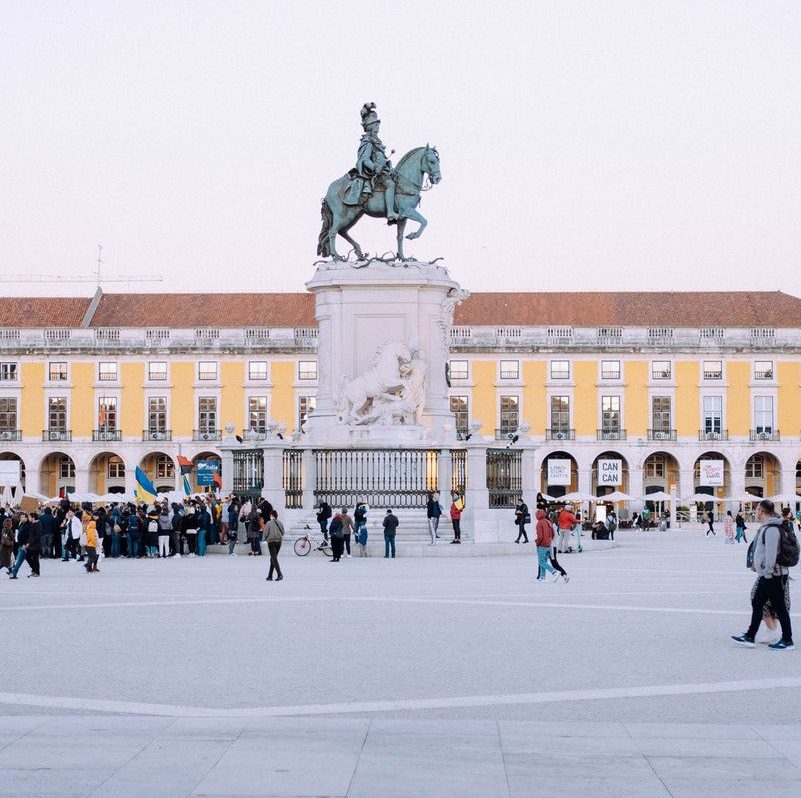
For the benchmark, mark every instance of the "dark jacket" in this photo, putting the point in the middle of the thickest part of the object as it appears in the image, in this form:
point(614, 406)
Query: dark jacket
point(47, 522)
point(23, 533)
point(390, 524)
point(35, 536)
point(433, 510)
point(335, 530)
point(521, 514)
point(233, 517)
point(189, 522)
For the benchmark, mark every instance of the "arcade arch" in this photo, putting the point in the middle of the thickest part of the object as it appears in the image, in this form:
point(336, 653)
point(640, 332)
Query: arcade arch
point(552, 488)
point(56, 474)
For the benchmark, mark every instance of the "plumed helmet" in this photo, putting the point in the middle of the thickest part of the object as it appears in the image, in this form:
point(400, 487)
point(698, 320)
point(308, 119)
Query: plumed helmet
point(369, 115)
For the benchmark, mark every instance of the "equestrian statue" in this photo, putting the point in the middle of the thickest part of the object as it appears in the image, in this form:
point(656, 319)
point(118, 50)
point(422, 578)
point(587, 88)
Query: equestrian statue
point(376, 188)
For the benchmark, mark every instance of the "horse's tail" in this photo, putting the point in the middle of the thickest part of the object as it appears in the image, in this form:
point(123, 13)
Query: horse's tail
point(323, 247)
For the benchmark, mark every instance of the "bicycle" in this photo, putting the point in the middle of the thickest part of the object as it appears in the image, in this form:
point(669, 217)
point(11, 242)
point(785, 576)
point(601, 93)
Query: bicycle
point(308, 540)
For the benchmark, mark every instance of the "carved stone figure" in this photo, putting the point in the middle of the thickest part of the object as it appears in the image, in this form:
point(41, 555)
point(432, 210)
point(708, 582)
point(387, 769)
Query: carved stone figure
point(415, 374)
point(377, 189)
point(446, 310)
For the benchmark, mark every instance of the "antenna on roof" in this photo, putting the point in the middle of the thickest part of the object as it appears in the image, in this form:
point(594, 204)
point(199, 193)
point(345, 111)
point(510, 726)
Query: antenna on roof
point(99, 262)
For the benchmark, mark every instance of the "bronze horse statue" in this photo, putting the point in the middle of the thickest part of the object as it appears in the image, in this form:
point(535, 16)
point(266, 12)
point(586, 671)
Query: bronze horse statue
point(409, 177)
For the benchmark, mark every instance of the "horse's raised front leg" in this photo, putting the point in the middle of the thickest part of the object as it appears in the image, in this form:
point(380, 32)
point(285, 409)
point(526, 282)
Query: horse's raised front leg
point(414, 214)
point(401, 227)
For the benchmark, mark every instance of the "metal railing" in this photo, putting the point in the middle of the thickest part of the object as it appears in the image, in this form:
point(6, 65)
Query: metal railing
point(661, 435)
point(60, 435)
point(713, 435)
point(293, 478)
point(10, 434)
point(248, 472)
point(610, 435)
point(505, 434)
point(559, 434)
point(764, 435)
point(103, 435)
point(504, 477)
point(458, 471)
point(206, 435)
point(156, 434)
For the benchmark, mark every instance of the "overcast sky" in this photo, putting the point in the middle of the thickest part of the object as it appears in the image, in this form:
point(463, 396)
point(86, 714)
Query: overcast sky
point(594, 146)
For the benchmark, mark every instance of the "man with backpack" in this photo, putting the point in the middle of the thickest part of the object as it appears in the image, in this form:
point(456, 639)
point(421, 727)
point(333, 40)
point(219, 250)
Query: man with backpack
point(775, 551)
point(611, 524)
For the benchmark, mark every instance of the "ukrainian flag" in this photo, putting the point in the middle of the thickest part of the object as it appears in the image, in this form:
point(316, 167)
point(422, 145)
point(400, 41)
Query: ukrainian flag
point(187, 490)
point(459, 503)
point(144, 490)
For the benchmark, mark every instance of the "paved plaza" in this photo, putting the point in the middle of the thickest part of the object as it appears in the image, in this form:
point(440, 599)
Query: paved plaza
point(414, 677)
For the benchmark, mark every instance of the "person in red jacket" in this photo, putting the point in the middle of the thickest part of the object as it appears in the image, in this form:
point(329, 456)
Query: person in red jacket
point(544, 531)
point(456, 518)
point(566, 521)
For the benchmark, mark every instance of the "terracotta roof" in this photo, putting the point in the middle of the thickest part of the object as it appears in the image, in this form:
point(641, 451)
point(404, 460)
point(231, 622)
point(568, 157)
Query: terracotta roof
point(205, 310)
point(635, 308)
point(41, 312)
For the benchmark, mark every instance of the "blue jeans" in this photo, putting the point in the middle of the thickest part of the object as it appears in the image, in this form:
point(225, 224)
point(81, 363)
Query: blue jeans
point(115, 545)
point(544, 563)
point(18, 562)
point(152, 551)
point(201, 542)
point(134, 542)
point(389, 543)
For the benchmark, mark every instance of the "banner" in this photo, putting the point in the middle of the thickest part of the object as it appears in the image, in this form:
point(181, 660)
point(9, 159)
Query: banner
point(559, 472)
point(205, 471)
point(711, 473)
point(9, 472)
point(610, 472)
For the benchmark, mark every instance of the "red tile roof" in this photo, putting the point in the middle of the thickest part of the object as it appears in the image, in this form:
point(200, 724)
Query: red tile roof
point(41, 312)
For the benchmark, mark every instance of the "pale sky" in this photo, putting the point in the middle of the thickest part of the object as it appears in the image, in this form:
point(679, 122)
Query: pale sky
point(584, 146)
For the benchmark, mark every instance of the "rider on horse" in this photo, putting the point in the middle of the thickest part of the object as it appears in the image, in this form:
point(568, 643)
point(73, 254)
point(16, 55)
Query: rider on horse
point(373, 168)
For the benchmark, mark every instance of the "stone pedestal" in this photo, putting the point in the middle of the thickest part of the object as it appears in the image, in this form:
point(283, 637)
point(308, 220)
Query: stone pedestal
point(359, 309)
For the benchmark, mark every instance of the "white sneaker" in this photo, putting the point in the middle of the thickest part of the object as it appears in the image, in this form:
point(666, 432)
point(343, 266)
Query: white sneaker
point(566, 578)
point(556, 576)
point(349, 556)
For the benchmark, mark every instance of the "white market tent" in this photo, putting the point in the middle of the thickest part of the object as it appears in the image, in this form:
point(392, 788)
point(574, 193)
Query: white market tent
point(659, 496)
point(742, 497)
point(702, 497)
point(785, 498)
point(615, 496)
point(577, 496)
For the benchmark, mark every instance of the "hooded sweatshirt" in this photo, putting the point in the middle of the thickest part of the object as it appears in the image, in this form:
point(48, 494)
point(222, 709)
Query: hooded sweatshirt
point(767, 548)
point(544, 530)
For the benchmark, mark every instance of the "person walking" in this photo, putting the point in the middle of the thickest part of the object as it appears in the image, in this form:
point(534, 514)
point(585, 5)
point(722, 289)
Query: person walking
point(522, 518)
point(554, 547)
point(544, 531)
point(456, 518)
point(73, 529)
point(739, 522)
point(390, 525)
point(23, 531)
point(710, 520)
point(728, 527)
point(433, 513)
point(91, 545)
point(772, 575)
point(7, 544)
point(274, 532)
point(347, 529)
point(337, 539)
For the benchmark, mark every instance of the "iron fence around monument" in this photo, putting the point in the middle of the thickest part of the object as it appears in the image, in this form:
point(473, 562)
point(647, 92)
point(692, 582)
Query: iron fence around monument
point(292, 478)
point(504, 477)
point(458, 471)
point(397, 478)
point(248, 471)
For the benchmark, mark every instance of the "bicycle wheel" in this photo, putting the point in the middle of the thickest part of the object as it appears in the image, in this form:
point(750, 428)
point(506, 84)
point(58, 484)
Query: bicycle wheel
point(327, 550)
point(302, 546)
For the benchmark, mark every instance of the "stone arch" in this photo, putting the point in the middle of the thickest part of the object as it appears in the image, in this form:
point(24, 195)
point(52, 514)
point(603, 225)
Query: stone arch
point(762, 474)
point(208, 454)
point(716, 492)
point(56, 474)
point(559, 490)
point(107, 473)
point(596, 479)
point(660, 471)
point(161, 469)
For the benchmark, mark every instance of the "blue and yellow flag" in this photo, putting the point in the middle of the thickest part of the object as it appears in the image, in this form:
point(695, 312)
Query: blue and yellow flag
point(187, 489)
point(144, 490)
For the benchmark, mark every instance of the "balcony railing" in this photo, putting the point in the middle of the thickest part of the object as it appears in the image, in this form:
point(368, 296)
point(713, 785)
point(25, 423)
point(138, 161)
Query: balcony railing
point(611, 435)
point(57, 435)
point(206, 435)
point(661, 435)
point(764, 435)
point(713, 435)
point(102, 435)
point(10, 435)
point(504, 434)
point(558, 434)
point(156, 434)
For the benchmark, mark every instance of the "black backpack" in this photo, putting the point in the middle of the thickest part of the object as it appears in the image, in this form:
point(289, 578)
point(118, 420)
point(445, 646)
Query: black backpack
point(787, 556)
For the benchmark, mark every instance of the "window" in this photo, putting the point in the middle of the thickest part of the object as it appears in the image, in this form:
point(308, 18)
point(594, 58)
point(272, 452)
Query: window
point(660, 413)
point(66, 468)
point(57, 372)
point(8, 372)
point(510, 414)
point(713, 369)
point(713, 415)
point(610, 414)
point(107, 413)
point(610, 369)
point(458, 370)
point(157, 370)
point(157, 414)
point(165, 468)
point(655, 466)
point(57, 413)
point(307, 370)
point(207, 370)
point(459, 410)
point(107, 372)
point(510, 369)
point(763, 370)
point(660, 370)
point(8, 414)
point(257, 413)
point(207, 414)
point(257, 370)
point(560, 369)
point(560, 414)
point(755, 467)
point(116, 468)
point(763, 414)
point(306, 405)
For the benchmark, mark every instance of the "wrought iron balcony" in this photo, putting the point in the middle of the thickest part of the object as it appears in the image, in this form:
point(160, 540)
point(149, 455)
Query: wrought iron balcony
point(156, 434)
point(10, 434)
point(661, 435)
point(60, 435)
point(713, 435)
point(103, 435)
point(560, 434)
point(206, 435)
point(611, 435)
point(764, 435)
point(505, 434)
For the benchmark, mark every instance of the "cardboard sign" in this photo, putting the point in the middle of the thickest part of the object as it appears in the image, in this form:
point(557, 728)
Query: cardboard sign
point(27, 504)
point(205, 471)
point(610, 472)
point(559, 472)
point(711, 473)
